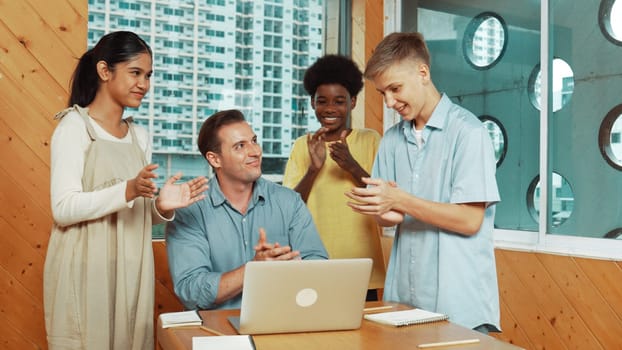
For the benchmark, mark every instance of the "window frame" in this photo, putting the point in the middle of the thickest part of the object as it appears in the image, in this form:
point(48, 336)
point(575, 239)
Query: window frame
point(530, 241)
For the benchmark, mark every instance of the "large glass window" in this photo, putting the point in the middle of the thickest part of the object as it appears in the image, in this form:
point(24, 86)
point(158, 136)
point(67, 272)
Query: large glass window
point(498, 74)
point(215, 55)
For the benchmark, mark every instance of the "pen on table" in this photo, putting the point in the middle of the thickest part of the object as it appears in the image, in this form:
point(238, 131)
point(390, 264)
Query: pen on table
point(377, 308)
point(213, 331)
point(448, 343)
point(207, 329)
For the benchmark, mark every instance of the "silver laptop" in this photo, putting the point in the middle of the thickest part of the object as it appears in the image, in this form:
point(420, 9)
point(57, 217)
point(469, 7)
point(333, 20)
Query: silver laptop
point(303, 296)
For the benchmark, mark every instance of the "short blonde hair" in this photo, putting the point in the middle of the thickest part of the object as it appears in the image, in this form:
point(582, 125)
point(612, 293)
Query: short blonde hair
point(397, 47)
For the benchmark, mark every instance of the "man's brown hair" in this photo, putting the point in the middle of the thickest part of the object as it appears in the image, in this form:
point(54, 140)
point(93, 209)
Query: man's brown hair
point(208, 140)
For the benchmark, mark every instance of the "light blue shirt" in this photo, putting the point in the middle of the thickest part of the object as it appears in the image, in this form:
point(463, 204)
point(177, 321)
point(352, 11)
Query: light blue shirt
point(431, 268)
point(210, 238)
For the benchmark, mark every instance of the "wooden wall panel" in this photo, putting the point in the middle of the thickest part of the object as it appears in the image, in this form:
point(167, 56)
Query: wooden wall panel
point(585, 298)
point(12, 338)
point(374, 32)
point(607, 278)
point(39, 37)
point(39, 43)
point(549, 300)
point(30, 80)
point(26, 169)
point(512, 333)
point(22, 262)
point(30, 221)
point(22, 310)
point(559, 302)
point(513, 291)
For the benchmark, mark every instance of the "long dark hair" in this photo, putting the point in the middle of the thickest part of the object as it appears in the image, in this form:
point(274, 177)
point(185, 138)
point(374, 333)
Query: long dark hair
point(112, 48)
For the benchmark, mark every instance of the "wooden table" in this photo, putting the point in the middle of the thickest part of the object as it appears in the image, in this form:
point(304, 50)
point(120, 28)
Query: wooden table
point(371, 335)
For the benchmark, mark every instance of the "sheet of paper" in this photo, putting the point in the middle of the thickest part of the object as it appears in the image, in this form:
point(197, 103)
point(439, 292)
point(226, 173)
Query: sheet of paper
point(226, 342)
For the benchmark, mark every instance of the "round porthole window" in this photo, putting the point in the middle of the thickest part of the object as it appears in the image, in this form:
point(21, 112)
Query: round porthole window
point(615, 234)
point(498, 136)
point(610, 20)
point(562, 85)
point(562, 199)
point(485, 40)
point(610, 137)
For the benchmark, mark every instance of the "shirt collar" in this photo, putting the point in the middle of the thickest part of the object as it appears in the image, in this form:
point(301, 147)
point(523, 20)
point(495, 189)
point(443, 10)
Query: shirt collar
point(437, 119)
point(439, 115)
point(218, 198)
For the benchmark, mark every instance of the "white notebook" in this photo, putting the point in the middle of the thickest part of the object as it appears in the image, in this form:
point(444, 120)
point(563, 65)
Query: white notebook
point(406, 317)
point(182, 318)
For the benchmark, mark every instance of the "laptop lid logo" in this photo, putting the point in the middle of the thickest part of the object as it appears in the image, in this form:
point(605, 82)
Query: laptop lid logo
point(306, 297)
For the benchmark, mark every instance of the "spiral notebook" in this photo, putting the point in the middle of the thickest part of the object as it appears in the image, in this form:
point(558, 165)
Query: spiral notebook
point(406, 317)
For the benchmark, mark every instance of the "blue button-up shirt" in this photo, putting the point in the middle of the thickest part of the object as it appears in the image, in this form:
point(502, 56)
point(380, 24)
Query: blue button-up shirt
point(431, 268)
point(210, 238)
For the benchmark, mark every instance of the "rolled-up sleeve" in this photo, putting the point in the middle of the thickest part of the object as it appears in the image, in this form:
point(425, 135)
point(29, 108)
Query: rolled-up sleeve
point(188, 250)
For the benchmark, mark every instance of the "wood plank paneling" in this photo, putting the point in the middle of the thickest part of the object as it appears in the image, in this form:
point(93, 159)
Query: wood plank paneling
point(30, 80)
point(549, 299)
point(586, 299)
point(606, 277)
point(39, 38)
point(512, 333)
point(579, 298)
point(66, 21)
point(23, 311)
point(12, 338)
point(31, 173)
point(20, 261)
point(31, 222)
point(374, 32)
point(530, 318)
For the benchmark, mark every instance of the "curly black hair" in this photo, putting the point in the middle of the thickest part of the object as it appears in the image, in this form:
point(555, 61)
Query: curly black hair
point(334, 69)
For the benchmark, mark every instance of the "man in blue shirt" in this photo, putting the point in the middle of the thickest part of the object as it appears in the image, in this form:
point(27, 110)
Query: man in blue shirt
point(434, 177)
point(243, 217)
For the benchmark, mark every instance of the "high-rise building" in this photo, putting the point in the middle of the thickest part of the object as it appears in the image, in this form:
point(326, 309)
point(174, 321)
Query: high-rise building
point(210, 55)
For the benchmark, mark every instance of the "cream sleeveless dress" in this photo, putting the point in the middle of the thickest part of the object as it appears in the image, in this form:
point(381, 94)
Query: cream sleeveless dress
point(99, 274)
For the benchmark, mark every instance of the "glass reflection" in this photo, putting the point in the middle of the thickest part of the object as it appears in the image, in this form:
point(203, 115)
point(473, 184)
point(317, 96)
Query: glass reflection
point(562, 202)
point(497, 136)
point(616, 20)
point(610, 20)
point(484, 40)
point(616, 139)
point(562, 85)
point(615, 234)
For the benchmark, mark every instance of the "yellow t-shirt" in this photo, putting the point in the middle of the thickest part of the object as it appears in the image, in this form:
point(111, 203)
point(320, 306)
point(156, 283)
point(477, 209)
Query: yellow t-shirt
point(345, 234)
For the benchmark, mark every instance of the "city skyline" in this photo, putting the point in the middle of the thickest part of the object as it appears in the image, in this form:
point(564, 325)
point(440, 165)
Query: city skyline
point(211, 55)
